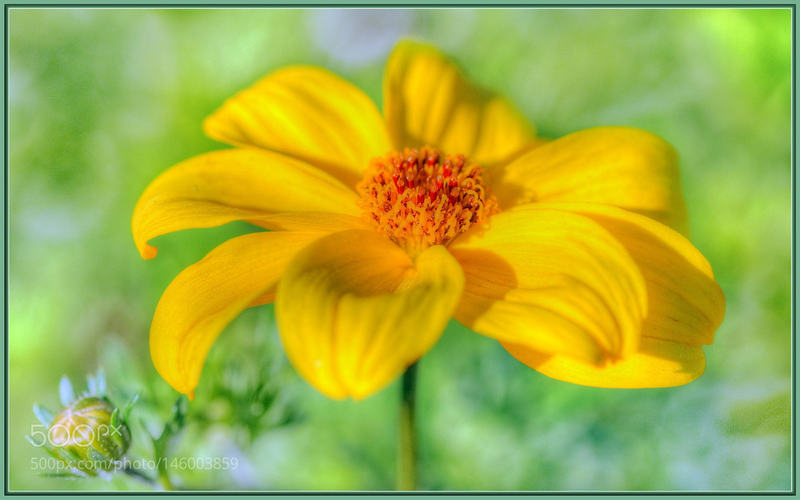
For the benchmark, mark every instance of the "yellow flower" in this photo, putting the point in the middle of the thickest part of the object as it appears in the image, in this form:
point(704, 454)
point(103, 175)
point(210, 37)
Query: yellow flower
point(383, 227)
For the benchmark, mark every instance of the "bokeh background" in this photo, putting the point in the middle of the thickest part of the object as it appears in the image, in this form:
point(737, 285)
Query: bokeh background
point(103, 100)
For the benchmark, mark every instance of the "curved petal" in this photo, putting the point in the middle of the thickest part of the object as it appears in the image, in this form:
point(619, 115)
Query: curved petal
point(206, 296)
point(685, 303)
point(315, 222)
point(552, 281)
point(657, 363)
point(239, 184)
point(354, 310)
point(428, 101)
point(308, 113)
point(624, 167)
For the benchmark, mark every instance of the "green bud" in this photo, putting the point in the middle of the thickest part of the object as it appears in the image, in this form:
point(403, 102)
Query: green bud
point(89, 435)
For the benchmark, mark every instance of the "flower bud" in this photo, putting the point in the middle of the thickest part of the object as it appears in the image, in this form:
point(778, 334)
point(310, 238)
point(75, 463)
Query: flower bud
point(89, 435)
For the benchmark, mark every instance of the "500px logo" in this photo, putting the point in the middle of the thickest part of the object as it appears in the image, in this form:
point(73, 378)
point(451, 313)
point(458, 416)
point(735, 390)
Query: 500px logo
point(78, 435)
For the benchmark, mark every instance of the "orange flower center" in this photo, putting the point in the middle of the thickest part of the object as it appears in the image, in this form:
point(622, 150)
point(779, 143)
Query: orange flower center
point(421, 198)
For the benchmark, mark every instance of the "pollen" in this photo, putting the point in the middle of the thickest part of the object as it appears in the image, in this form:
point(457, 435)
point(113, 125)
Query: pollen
point(420, 197)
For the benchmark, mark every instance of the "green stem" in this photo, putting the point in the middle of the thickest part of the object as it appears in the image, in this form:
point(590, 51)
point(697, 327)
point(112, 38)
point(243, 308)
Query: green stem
point(161, 444)
point(163, 478)
point(140, 476)
point(407, 452)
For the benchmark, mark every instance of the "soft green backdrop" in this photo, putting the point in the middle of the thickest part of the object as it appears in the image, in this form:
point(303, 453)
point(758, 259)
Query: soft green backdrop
point(101, 101)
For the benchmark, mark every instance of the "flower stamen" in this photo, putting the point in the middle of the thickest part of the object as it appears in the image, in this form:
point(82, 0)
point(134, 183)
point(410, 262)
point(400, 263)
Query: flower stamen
point(421, 197)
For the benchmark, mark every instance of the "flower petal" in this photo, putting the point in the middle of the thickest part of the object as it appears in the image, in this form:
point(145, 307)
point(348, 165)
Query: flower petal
point(207, 295)
point(354, 310)
point(685, 303)
point(552, 281)
point(308, 113)
point(239, 184)
point(619, 166)
point(427, 101)
point(657, 363)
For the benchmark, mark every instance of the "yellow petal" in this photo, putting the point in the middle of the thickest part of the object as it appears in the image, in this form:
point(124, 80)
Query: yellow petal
point(552, 281)
point(207, 295)
point(239, 184)
point(308, 113)
point(325, 222)
point(354, 310)
point(428, 101)
point(619, 166)
point(658, 363)
point(685, 303)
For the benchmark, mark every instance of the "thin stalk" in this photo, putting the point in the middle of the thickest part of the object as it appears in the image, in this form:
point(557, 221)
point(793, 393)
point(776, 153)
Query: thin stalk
point(407, 449)
point(140, 476)
point(163, 477)
point(162, 442)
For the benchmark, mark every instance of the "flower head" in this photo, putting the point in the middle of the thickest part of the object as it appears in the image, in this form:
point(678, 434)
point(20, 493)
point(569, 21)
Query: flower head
point(383, 226)
point(419, 198)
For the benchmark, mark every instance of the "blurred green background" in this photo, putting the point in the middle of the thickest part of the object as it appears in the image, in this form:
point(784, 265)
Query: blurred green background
point(101, 101)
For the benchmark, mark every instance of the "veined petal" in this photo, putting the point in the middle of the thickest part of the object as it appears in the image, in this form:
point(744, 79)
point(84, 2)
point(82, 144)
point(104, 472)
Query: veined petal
point(685, 303)
point(624, 167)
point(239, 184)
point(206, 296)
point(657, 363)
point(308, 113)
point(354, 310)
point(427, 101)
point(324, 222)
point(552, 281)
